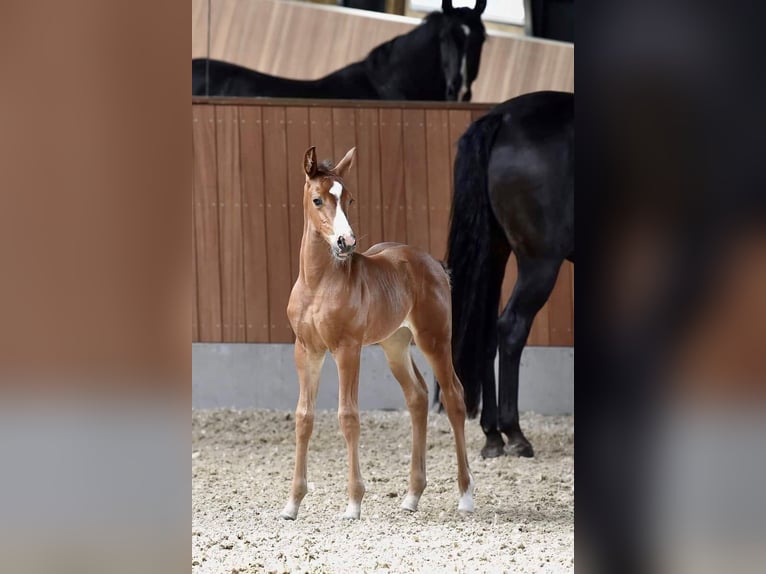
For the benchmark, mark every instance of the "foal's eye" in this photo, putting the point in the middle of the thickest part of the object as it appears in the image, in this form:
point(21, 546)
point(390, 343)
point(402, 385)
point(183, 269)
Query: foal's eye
point(350, 201)
point(317, 201)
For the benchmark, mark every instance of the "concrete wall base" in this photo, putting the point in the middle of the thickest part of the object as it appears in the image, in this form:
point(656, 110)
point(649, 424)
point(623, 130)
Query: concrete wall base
point(263, 376)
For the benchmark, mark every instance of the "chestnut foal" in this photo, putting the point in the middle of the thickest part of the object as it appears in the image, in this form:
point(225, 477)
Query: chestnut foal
point(343, 300)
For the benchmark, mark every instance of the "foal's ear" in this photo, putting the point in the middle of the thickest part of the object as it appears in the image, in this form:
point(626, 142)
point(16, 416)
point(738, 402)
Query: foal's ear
point(310, 162)
point(480, 6)
point(346, 162)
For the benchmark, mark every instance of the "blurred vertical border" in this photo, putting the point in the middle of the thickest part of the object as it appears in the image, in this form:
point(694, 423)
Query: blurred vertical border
point(671, 287)
point(95, 382)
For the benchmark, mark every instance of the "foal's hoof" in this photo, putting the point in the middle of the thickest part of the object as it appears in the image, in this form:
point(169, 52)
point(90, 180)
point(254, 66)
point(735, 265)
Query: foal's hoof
point(493, 447)
point(410, 503)
point(289, 512)
point(353, 512)
point(518, 445)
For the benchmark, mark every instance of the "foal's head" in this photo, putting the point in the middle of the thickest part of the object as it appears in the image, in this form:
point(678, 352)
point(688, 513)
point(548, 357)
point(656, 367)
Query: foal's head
point(326, 201)
point(461, 39)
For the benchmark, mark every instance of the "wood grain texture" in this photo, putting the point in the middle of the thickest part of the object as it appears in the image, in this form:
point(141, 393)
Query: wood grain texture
point(206, 224)
point(368, 193)
point(283, 38)
point(392, 176)
point(415, 178)
point(277, 222)
point(230, 225)
point(298, 142)
point(254, 225)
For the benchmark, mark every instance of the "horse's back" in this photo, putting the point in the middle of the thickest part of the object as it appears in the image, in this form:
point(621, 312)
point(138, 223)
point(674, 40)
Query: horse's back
point(531, 172)
point(416, 260)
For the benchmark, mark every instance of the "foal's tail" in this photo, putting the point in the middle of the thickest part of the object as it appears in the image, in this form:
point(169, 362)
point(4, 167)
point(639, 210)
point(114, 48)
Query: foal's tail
point(476, 255)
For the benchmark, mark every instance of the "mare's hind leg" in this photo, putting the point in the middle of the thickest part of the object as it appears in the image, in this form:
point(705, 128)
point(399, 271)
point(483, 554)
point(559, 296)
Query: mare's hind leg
point(437, 348)
point(533, 286)
point(397, 350)
point(309, 365)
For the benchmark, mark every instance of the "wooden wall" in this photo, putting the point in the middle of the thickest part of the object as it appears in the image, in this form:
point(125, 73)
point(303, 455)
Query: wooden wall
point(247, 202)
point(306, 41)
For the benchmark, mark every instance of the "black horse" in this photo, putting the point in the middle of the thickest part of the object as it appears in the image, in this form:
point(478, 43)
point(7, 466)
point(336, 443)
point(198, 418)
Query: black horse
point(514, 191)
point(438, 60)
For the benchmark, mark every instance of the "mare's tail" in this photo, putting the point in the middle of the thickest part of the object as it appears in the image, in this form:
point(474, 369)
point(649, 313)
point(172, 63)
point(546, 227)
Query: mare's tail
point(477, 252)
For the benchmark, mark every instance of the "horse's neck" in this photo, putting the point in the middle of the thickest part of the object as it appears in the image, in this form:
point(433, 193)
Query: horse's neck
point(407, 67)
point(316, 261)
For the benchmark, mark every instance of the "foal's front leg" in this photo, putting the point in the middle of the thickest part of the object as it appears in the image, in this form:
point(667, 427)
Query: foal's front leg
point(347, 359)
point(309, 366)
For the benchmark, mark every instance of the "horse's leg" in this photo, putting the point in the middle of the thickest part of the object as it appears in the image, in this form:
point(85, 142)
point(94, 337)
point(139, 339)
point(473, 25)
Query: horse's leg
point(533, 287)
point(309, 366)
point(438, 350)
point(347, 359)
point(397, 350)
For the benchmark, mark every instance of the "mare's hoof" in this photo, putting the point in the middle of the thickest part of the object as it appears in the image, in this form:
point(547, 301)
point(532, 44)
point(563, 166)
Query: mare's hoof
point(518, 445)
point(492, 451)
point(493, 447)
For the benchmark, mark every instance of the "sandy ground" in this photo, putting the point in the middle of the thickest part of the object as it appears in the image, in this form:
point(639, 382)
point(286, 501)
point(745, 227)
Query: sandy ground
point(242, 464)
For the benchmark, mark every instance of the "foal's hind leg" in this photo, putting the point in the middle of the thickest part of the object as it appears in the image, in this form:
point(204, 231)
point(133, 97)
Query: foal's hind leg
point(533, 287)
point(397, 350)
point(309, 366)
point(437, 348)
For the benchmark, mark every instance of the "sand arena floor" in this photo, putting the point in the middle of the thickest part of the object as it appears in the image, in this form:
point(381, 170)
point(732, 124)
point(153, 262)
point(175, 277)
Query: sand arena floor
point(242, 464)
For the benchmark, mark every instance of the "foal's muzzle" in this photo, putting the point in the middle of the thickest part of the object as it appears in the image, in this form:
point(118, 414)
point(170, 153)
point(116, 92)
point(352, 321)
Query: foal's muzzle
point(346, 244)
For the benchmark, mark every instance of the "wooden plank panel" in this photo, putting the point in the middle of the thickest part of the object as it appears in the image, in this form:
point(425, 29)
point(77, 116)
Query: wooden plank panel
point(195, 302)
point(206, 223)
point(321, 133)
point(560, 315)
point(277, 222)
point(367, 193)
point(416, 178)
point(254, 211)
point(392, 176)
point(344, 138)
point(297, 144)
point(459, 120)
point(230, 225)
point(439, 180)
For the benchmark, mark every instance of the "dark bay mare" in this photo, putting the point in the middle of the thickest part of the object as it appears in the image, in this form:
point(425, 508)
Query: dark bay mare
point(514, 192)
point(438, 60)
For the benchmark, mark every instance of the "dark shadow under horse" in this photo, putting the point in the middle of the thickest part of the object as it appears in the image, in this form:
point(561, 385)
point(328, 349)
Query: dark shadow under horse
point(438, 60)
point(514, 192)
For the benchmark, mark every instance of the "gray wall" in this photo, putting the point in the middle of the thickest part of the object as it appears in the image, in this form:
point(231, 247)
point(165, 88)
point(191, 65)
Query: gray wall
point(263, 376)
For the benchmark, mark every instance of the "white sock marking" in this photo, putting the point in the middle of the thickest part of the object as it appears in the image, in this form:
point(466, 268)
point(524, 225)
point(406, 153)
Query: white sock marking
point(466, 500)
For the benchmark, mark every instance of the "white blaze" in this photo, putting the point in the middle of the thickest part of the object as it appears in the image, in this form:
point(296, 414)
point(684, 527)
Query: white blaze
point(340, 223)
point(463, 69)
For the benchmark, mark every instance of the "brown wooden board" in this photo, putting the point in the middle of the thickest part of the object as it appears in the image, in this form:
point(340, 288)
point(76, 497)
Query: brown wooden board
point(194, 302)
point(367, 193)
point(392, 176)
point(416, 178)
point(439, 180)
point(254, 224)
point(230, 225)
point(297, 144)
point(206, 224)
point(459, 120)
point(321, 133)
point(277, 222)
point(560, 309)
